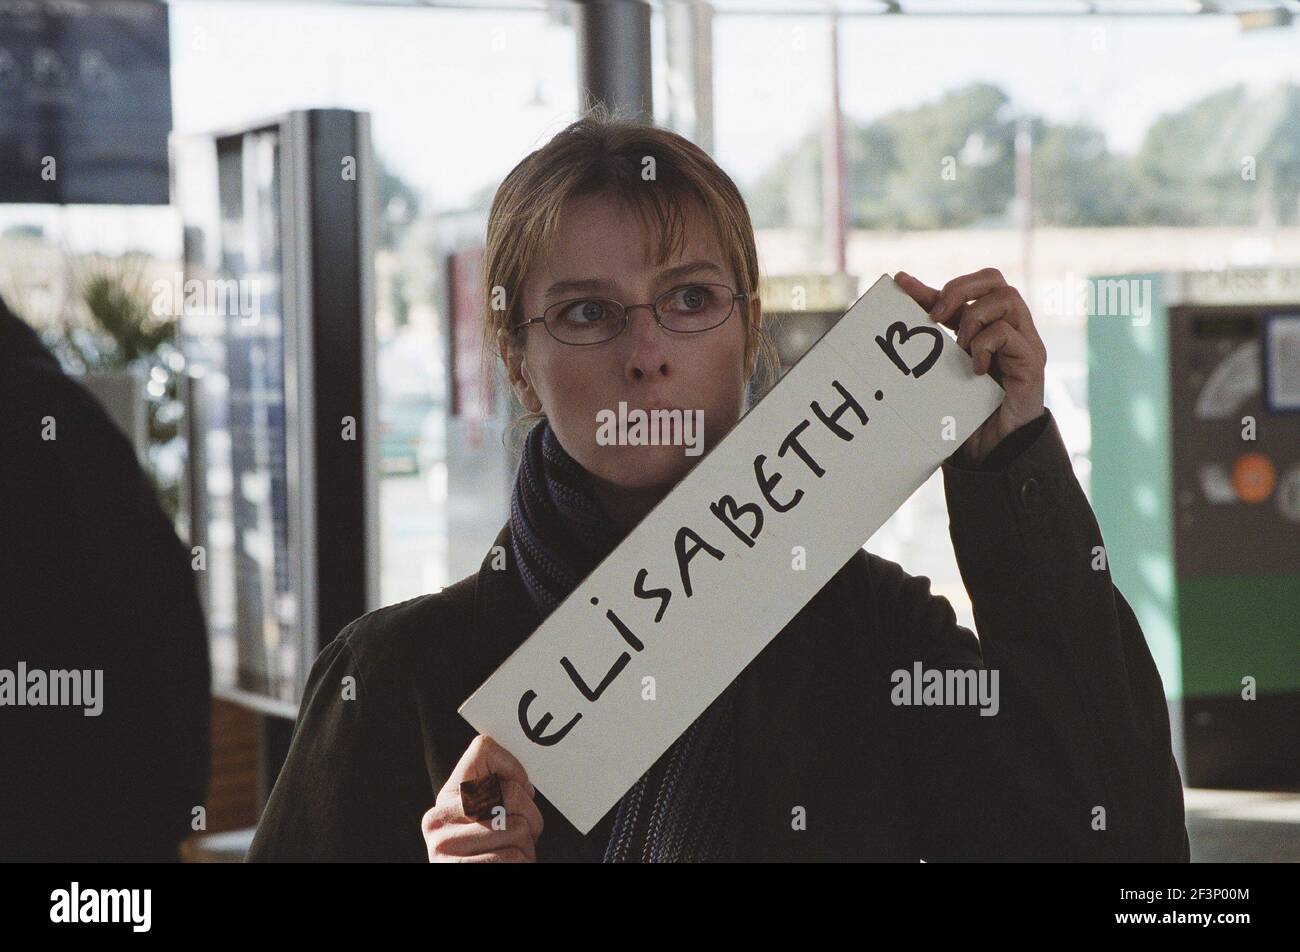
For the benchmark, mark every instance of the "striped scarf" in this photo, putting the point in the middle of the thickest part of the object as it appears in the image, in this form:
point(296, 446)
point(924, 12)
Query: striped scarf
point(680, 809)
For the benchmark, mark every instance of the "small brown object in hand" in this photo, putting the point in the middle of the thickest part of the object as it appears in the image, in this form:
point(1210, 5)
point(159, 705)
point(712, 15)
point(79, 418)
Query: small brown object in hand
point(479, 797)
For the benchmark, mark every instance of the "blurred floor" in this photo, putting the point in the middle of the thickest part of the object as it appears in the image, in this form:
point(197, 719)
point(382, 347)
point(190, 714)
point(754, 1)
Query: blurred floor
point(1243, 826)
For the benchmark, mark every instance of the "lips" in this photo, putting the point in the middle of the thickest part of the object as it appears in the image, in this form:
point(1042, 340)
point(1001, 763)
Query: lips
point(660, 405)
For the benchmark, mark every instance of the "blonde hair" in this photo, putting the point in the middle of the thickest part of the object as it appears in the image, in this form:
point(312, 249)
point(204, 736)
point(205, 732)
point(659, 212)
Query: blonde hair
point(601, 154)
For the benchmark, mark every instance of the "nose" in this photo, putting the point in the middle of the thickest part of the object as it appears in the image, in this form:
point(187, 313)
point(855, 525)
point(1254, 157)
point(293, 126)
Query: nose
point(648, 343)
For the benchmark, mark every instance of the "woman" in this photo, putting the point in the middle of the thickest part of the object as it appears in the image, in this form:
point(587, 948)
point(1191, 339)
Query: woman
point(804, 756)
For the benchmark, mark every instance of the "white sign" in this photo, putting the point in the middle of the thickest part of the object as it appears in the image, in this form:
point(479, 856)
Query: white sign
point(707, 579)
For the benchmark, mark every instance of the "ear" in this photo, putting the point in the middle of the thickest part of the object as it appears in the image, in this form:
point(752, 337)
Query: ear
point(512, 353)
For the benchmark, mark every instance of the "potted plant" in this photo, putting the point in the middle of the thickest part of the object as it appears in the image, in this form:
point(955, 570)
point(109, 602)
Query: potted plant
point(127, 355)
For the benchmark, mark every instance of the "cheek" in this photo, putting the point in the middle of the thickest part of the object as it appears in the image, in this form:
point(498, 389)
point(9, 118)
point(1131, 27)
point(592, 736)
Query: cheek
point(547, 373)
point(572, 388)
point(718, 383)
point(727, 364)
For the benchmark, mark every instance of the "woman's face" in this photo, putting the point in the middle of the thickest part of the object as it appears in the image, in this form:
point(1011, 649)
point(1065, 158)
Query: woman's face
point(602, 242)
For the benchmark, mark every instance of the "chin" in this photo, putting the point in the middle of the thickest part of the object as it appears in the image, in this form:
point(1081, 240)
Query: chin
point(644, 467)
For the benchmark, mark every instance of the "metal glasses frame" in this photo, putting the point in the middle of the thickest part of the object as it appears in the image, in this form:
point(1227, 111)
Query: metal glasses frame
point(627, 309)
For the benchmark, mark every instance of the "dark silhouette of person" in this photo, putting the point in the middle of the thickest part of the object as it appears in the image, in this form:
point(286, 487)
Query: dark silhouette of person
point(94, 585)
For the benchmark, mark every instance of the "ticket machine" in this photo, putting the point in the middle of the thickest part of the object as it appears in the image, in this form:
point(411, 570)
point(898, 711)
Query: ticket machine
point(1194, 393)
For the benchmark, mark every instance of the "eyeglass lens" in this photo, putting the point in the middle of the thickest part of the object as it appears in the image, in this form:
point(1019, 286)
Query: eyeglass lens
point(687, 309)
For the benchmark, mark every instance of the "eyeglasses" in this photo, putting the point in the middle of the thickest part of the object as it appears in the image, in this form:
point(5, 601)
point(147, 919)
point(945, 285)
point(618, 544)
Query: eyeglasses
point(689, 309)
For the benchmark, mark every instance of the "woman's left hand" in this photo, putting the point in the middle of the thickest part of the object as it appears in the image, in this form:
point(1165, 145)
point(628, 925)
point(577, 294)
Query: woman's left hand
point(995, 327)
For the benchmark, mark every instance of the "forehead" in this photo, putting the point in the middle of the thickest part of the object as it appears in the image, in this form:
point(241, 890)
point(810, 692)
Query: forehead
point(603, 236)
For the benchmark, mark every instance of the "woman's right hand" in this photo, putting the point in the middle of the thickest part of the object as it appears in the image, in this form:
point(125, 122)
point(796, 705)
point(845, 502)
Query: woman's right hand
point(452, 837)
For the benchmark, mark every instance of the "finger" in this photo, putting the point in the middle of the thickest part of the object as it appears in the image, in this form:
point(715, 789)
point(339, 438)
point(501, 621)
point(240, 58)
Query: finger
point(926, 296)
point(1003, 349)
point(469, 839)
point(508, 855)
point(980, 313)
point(520, 808)
point(965, 288)
point(528, 809)
point(918, 291)
point(446, 810)
point(520, 811)
point(1000, 304)
point(484, 756)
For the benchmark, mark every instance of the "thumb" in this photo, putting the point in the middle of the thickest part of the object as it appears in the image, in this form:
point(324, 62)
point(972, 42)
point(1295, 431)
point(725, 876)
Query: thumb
point(918, 291)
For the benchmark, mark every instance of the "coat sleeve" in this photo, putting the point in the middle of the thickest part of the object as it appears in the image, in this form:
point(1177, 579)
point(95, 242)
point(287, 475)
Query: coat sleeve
point(1076, 763)
point(331, 801)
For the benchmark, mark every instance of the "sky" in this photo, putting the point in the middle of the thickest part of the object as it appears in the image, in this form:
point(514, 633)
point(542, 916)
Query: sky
point(458, 97)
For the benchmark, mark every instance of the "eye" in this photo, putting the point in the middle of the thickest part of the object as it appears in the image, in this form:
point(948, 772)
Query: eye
point(691, 298)
point(588, 311)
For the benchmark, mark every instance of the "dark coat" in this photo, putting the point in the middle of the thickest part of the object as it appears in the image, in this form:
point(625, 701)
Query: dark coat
point(1082, 726)
point(92, 577)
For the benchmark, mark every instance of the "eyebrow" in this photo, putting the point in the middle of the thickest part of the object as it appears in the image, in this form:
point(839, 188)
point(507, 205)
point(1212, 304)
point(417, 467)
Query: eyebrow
point(600, 284)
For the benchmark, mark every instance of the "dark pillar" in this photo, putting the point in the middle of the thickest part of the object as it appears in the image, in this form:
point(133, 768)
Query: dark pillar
point(614, 56)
